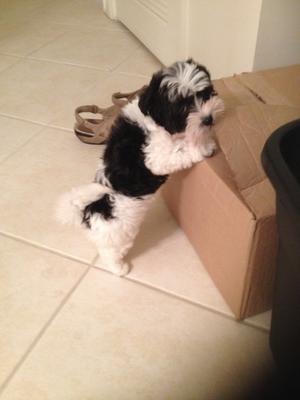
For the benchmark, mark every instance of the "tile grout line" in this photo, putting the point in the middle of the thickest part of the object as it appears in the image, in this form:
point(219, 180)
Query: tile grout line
point(102, 69)
point(113, 69)
point(163, 291)
point(69, 63)
point(83, 66)
point(43, 124)
point(39, 246)
point(30, 56)
point(3, 114)
point(13, 64)
point(45, 44)
point(14, 152)
point(91, 264)
point(49, 60)
point(26, 56)
point(72, 64)
point(28, 141)
point(169, 293)
point(183, 298)
point(130, 74)
point(39, 336)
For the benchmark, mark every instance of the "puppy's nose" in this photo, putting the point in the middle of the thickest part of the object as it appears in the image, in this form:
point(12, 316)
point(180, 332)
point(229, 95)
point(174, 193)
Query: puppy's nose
point(208, 120)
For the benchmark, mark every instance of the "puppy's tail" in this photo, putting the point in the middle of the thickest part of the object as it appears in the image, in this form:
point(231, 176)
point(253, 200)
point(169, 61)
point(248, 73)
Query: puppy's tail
point(70, 206)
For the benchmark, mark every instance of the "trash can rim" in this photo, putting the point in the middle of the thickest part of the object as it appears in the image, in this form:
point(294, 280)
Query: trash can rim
point(276, 166)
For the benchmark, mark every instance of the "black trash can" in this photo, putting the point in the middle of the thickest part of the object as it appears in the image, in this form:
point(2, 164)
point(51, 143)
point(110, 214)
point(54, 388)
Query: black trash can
point(281, 161)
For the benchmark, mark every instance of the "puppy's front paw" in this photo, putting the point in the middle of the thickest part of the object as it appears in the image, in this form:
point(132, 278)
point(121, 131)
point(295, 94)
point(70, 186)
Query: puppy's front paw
point(208, 149)
point(120, 269)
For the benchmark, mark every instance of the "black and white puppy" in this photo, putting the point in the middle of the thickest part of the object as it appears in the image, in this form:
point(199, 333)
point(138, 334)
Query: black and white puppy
point(166, 129)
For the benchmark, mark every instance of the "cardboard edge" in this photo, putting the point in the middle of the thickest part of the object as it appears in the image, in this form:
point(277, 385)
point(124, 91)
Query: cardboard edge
point(259, 281)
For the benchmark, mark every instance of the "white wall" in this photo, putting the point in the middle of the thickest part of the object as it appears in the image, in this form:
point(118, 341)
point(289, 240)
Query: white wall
point(278, 40)
point(223, 33)
point(228, 36)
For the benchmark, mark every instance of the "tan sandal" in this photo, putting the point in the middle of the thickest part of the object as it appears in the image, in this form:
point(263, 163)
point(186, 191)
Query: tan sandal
point(121, 99)
point(96, 130)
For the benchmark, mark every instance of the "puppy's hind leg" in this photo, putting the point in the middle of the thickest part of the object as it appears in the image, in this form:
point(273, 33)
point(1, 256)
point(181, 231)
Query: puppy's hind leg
point(112, 258)
point(112, 245)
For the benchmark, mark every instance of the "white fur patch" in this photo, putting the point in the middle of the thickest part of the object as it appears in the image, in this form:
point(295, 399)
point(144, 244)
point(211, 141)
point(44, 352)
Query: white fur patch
point(184, 79)
point(114, 237)
point(133, 112)
point(165, 153)
point(119, 231)
point(212, 107)
point(70, 205)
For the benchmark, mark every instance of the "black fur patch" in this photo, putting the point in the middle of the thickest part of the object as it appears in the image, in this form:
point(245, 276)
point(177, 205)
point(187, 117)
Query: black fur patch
point(155, 102)
point(125, 162)
point(172, 115)
point(103, 206)
point(206, 94)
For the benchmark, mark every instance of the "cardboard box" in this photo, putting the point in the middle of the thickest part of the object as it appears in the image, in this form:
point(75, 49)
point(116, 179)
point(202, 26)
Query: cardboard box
point(225, 204)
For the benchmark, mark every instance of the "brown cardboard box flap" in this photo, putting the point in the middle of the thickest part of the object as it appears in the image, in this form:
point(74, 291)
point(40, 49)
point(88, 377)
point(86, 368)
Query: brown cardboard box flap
point(256, 104)
point(260, 198)
point(233, 92)
point(280, 86)
point(242, 134)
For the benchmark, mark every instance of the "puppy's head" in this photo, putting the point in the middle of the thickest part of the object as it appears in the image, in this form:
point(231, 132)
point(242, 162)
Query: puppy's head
point(181, 98)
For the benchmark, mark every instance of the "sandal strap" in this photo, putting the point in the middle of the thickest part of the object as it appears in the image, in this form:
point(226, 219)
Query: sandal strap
point(121, 99)
point(91, 109)
point(93, 139)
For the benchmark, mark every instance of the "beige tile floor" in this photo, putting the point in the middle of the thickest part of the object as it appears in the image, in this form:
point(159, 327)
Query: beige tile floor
point(69, 329)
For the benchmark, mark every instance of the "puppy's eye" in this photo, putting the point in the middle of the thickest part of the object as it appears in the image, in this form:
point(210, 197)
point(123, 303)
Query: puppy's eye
point(203, 96)
point(206, 94)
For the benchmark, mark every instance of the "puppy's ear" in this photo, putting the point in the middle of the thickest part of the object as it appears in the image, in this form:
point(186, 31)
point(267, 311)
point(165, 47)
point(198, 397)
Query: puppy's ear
point(149, 96)
point(190, 61)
